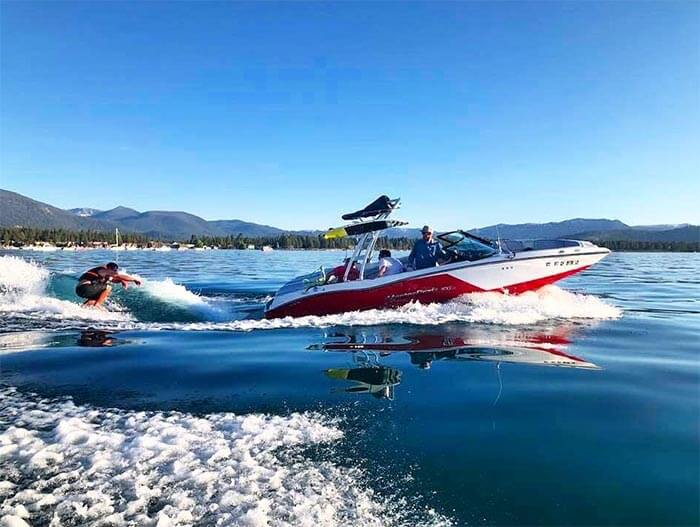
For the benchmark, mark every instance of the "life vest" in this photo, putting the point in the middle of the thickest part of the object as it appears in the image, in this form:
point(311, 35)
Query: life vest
point(95, 277)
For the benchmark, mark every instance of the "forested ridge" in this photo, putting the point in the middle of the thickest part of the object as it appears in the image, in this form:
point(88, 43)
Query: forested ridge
point(19, 236)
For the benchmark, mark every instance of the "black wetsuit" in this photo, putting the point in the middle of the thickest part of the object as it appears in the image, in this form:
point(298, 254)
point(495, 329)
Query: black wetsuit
point(93, 282)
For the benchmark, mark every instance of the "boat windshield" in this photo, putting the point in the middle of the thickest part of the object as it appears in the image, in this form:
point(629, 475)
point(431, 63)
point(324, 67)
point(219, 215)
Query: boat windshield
point(465, 246)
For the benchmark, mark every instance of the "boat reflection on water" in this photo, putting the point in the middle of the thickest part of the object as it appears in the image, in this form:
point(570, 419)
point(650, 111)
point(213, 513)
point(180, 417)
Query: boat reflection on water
point(371, 377)
point(546, 347)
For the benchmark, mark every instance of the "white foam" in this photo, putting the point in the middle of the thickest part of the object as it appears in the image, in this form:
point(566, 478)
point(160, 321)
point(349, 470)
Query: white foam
point(42, 308)
point(13, 520)
point(18, 276)
point(92, 466)
point(548, 303)
point(22, 284)
point(22, 293)
point(172, 293)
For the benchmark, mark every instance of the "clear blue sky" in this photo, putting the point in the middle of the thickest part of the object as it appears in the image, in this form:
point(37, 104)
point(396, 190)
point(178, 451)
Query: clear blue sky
point(289, 114)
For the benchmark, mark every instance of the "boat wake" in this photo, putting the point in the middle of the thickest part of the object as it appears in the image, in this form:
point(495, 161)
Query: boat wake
point(29, 292)
point(64, 464)
point(24, 294)
point(548, 303)
point(166, 301)
point(33, 298)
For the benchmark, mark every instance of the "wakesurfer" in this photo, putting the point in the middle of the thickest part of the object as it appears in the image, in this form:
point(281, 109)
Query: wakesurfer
point(94, 285)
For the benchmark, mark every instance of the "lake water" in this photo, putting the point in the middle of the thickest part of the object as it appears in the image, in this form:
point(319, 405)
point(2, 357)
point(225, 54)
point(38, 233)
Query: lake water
point(575, 405)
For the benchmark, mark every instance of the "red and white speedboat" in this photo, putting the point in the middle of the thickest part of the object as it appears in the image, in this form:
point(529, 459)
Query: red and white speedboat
point(475, 265)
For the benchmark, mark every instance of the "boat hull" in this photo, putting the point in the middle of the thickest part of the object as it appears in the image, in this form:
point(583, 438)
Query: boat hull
point(516, 275)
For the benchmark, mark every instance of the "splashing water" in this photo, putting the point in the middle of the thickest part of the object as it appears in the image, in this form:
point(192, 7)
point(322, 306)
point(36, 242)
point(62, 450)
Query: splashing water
point(29, 291)
point(23, 287)
point(548, 303)
point(164, 304)
point(18, 277)
point(83, 465)
point(169, 294)
point(169, 290)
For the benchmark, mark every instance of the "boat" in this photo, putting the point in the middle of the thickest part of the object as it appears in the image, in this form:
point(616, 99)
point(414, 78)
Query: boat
point(475, 265)
point(117, 246)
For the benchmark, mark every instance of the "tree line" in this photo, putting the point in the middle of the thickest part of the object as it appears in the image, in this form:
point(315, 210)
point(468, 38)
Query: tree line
point(292, 241)
point(19, 236)
point(641, 246)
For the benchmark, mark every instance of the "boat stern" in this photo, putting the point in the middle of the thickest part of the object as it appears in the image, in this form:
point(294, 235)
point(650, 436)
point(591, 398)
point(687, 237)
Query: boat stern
point(291, 292)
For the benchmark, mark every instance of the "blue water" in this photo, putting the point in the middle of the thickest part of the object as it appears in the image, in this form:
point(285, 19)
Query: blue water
point(577, 405)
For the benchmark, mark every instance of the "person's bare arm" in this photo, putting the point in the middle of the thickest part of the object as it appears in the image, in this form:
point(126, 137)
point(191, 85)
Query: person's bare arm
point(124, 279)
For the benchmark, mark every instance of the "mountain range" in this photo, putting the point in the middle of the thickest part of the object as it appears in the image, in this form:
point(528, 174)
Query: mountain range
point(20, 211)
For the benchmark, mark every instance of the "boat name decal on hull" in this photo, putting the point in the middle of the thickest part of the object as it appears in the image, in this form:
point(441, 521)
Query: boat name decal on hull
point(400, 296)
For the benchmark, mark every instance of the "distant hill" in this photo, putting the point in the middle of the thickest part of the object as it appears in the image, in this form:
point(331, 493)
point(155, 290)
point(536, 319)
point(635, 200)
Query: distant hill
point(172, 224)
point(117, 214)
point(689, 233)
point(662, 227)
point(84, 212)
point(17, 210)
point(560, 229)
point(226, 227)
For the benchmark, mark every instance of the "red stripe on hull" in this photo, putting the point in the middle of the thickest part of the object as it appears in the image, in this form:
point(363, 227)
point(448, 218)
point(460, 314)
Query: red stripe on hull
point(522, 287)
point(428, 290)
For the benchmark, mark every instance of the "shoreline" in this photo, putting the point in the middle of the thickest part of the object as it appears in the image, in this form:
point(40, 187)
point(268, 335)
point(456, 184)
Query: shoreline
point(165, 249)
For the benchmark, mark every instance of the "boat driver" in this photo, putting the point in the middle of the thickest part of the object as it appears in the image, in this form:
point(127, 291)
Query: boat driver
point(94, 284)
point(426, 252)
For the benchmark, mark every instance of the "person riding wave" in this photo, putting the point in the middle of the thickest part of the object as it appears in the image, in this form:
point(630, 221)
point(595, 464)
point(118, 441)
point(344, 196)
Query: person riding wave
point(94, 285)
